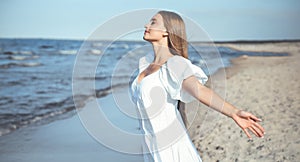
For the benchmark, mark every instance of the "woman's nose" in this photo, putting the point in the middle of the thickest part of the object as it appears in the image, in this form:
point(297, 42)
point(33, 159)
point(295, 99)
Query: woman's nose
point(146, 25)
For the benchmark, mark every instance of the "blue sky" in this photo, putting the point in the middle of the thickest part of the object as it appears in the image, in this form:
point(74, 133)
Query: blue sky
point(222, 19)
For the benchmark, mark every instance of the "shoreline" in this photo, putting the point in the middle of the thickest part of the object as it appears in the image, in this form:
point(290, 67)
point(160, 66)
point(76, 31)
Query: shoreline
point(65, 140)
point(215, 136)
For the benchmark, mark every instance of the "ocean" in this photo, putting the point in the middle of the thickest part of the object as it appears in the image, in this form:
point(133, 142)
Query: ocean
point(36, 74)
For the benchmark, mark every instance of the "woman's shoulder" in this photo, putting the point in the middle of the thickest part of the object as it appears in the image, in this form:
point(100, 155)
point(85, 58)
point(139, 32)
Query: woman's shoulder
point(177, 66)
point(178, 61)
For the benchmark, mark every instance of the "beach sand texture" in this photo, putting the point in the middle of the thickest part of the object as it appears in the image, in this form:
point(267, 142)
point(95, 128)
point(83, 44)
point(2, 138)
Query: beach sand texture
point(269, 88)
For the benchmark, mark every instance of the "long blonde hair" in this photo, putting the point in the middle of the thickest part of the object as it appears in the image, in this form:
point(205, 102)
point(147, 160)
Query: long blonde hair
point(177, 43)
point(176, 33)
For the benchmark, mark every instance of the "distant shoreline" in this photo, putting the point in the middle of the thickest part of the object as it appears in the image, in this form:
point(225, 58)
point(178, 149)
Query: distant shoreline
point(259, 41)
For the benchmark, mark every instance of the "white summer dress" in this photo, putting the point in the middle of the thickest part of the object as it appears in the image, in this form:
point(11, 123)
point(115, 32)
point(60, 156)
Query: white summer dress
point(156, 97)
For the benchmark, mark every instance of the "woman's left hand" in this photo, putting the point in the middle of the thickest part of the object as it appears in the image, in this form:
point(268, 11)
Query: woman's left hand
point(248, 121)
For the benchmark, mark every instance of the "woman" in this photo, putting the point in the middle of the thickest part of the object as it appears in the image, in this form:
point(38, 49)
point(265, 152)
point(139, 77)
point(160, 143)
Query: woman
point(165, 78)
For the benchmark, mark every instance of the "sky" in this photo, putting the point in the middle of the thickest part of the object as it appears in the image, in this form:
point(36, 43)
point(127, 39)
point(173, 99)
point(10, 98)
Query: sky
point(223, 20)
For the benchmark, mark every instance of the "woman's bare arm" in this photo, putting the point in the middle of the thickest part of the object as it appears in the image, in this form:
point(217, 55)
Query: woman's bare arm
point(208, 97)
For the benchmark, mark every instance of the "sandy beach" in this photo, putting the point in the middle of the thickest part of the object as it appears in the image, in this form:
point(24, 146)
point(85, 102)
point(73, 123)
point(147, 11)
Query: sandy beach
point(265, 86)
point(269, 88)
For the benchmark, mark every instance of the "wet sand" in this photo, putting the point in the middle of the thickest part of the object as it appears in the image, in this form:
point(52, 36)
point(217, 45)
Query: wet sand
point(65, 141)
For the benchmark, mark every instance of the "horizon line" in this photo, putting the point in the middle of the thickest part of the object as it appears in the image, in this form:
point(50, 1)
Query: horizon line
point(135, 40)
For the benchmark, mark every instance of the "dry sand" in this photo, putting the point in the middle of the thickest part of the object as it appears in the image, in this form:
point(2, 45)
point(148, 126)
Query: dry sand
point(265, 86)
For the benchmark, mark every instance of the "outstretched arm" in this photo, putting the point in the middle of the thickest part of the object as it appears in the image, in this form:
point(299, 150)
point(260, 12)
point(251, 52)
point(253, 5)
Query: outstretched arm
point(208, 97)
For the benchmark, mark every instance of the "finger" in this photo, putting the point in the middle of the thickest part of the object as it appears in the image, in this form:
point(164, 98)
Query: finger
point(260, 127)
point(247, 133)
point(258, 131)
point(254, 118)
point(253, 131)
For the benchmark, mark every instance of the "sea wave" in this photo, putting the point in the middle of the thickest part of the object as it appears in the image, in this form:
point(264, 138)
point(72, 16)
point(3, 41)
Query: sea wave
point(20, 64)
point(68, 52)
point(50, 111)
point(18, 57)
point(95, 51)
point(18, 52)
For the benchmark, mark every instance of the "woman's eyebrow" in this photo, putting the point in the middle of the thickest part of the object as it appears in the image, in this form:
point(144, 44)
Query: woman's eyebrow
point(153, 19)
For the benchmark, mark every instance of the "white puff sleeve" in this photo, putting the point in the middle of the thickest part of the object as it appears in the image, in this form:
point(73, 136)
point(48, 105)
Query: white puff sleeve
point(174, 72)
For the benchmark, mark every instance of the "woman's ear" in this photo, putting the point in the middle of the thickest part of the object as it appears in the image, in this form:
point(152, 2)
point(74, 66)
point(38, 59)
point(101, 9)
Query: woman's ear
point(165, 34)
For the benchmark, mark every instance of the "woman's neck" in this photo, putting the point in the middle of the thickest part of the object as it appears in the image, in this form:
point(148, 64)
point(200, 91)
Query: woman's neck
point(161, 53)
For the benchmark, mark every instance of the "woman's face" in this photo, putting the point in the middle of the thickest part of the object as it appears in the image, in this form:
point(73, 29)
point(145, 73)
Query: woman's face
point(155, 29)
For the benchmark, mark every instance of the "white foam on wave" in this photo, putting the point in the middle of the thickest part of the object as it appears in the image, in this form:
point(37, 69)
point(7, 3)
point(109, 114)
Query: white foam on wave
point(18, 57)
point(30, 64)
point(95, 51)
point(26, 64)
point(26, 52)
point(68, 52)
point(4, 131)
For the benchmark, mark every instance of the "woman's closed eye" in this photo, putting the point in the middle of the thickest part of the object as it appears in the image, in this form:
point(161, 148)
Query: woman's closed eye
point(152, 21)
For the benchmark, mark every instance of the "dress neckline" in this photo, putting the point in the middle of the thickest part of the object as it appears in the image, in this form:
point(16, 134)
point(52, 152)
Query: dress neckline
point(145, 77)
point(137, 79)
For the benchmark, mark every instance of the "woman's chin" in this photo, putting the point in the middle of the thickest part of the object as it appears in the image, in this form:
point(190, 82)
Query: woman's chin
point(145, 38)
